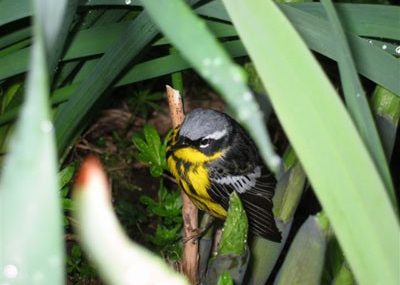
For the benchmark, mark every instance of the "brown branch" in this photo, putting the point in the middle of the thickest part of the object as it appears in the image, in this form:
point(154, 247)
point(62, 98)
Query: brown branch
point(189, 211)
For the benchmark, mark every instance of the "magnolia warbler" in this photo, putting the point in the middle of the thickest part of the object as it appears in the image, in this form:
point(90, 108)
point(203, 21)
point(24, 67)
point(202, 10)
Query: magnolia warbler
point(210, 155)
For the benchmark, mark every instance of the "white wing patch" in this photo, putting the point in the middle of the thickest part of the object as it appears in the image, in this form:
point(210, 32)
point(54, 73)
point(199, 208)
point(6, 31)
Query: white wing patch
point(241, 183)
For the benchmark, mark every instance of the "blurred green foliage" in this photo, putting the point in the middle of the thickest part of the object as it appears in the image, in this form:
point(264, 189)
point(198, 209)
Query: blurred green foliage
point(165, 212)
point(143, 102)
point(166, 208)
point(151, 150)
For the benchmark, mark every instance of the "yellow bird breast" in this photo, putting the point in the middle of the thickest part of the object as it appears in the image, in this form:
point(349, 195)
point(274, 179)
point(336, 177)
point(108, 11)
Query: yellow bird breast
point(194, 179)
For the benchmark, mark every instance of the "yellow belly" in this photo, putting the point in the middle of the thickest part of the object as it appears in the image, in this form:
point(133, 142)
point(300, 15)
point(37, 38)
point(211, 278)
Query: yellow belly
point(196, 184)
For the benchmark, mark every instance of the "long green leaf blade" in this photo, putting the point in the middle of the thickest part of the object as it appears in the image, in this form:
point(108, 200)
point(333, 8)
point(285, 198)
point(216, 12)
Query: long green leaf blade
point(31, 242)
point(214, 65)
point(357, 101)
point(371, 61)
point(12, 10)
point(368, 20)
point(288, 191)
point(305, 260)
point(56, 18)
point(137, 36)
point(344, 178)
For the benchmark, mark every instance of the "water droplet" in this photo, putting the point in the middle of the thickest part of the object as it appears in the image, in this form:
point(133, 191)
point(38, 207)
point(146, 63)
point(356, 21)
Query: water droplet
point(244, 114)
point(397, 50)
point(358, 94)
point(206, 72)
point(206, 61)
point(10, 271)
point(215, 79)
point(236, 74)
point(217, 61)
point(55, 261)
point(247, 96)
point(46, 126)
point(128, 2)
point(275, 161)
point(38, 277)
point(370, 42)
point(384, 47)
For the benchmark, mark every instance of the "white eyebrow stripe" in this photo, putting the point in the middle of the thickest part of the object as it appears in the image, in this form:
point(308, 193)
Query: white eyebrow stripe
point(216, 135)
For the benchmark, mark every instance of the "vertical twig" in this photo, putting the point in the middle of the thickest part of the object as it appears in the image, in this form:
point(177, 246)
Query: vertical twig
point(189, 210)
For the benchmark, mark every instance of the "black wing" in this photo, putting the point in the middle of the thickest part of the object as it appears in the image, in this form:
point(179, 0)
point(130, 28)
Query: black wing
point(255, 189)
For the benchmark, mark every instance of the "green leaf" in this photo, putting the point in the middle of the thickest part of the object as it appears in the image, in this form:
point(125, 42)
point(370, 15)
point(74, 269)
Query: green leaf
point(16, 36)
point(288, 191)
point(305, 260)
point(68, 204)
point(225, 279)
point(64, 192)
point(153, 141)
point(357, 102)
point(234, 236)
point(60, 14)
point(138, 141)
point(386, 107)
point(211, 61)
point(151, 150)
point(68, 119)
point(368, 20)
point(12, 10)
point(87, 42)
point(76, 251)
point(156, 171)
point(146, 200)
point(65, 176)
point(336, 269)
point(336, 161)
point(146, 70)
point(344, 276)
point(233, 254)
point(371, 61)
point(31, 242)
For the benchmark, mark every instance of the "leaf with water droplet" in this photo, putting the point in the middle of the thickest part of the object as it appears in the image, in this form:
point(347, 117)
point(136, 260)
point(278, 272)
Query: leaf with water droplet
point(225, 279)
point(233, 240)
point(156, 171)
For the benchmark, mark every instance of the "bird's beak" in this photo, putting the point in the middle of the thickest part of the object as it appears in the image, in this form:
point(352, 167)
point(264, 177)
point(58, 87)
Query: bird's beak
point(181, 142)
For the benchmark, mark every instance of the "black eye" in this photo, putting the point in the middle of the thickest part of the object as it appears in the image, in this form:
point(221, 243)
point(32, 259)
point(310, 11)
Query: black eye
point(204, 143)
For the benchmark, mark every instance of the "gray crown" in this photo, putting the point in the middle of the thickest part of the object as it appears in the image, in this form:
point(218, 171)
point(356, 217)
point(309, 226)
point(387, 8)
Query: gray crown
point(201, 123)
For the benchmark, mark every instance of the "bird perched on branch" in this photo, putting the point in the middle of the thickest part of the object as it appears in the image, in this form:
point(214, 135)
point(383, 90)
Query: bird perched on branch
point(210, 156)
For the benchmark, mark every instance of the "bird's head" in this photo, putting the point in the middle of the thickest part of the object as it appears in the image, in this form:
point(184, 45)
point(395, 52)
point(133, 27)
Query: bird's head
point(203, 131)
